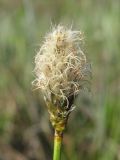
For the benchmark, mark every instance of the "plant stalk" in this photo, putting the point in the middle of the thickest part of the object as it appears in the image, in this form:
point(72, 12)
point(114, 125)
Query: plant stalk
point(57, 145)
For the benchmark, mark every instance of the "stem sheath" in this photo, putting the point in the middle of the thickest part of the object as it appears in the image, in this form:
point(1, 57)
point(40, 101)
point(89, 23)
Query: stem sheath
point(57, 146)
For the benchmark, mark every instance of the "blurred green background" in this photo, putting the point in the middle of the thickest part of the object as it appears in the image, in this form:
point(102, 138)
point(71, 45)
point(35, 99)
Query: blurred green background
point(93, 131)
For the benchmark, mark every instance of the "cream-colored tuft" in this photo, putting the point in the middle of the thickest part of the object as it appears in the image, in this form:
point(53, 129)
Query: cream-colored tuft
point(60, 64)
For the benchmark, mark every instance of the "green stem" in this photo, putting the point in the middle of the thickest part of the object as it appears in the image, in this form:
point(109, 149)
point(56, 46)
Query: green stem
point(57, 146)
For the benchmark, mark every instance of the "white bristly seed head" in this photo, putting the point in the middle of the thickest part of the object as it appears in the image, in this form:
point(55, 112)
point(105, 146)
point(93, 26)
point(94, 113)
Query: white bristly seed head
point(61, 68)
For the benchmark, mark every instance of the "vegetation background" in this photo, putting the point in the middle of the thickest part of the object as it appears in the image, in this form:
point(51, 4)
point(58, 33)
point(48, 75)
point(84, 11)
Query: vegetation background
point(93, 131)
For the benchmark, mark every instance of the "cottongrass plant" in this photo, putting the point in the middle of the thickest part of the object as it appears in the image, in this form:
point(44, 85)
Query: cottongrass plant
point(61, 71)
